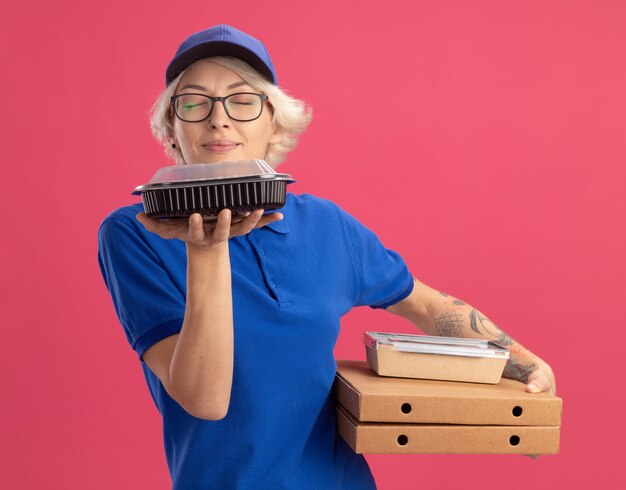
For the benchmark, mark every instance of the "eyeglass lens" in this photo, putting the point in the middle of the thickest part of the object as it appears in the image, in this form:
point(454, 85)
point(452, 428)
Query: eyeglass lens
point(241, 107)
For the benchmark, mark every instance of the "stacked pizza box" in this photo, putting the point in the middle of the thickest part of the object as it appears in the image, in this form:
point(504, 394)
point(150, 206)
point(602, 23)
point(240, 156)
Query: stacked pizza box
point(439, 395)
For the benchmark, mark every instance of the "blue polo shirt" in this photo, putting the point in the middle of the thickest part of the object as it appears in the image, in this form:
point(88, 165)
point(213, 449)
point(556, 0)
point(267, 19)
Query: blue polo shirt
point(292, 281)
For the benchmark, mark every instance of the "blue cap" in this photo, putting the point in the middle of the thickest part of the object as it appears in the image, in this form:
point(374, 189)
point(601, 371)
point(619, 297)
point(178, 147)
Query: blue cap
point(221, 40)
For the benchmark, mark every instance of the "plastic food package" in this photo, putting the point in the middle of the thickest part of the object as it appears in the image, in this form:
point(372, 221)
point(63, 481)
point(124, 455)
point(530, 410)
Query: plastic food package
point(207, 188)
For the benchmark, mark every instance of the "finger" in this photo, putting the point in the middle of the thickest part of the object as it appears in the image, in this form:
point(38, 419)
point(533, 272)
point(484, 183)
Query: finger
point(248, 224)
point(222, 226)
point(196, 228)
point(269, 218)
point(255, 216)
point(238, 218)
point(166, 229)
point(149, 224)
point(538, 383)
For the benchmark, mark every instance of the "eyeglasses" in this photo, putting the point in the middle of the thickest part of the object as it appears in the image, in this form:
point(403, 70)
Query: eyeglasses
point(244, 106)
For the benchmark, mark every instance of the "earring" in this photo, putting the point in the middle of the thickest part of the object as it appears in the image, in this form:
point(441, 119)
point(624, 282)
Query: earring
point(173, 146)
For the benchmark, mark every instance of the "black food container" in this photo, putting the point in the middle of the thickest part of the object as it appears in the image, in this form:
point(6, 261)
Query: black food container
point(207, 188)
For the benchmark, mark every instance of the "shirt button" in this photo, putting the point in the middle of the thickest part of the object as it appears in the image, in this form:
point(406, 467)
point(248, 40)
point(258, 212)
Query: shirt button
point(273, 284)
point(262, 252)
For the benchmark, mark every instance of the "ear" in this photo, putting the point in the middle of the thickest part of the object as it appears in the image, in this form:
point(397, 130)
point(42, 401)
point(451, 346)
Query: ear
point(171, 134)
point(276, 137)
point(171, 137)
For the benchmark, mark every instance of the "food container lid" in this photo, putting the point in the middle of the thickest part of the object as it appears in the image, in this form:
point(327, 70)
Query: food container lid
point(204, 173)
point(424, 344)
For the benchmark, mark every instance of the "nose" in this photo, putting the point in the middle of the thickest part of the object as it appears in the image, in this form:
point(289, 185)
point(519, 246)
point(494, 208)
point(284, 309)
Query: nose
point(218, 117)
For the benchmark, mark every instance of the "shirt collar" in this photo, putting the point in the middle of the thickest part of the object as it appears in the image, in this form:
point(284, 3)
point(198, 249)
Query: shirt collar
point(279, 226)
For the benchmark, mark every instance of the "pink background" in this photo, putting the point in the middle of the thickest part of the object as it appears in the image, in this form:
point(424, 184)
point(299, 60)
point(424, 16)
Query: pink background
point(482, 140)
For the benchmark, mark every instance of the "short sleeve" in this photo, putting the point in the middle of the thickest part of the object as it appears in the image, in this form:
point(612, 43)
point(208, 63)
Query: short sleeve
point(148, 303)
point(382, 276)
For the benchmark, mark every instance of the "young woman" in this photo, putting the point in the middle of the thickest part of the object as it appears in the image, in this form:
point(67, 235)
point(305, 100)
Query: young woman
point(235, 322)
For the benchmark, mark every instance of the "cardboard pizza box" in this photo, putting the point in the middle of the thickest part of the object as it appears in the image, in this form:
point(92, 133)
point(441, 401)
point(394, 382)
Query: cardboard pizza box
point(372, 398)
point(390, 438)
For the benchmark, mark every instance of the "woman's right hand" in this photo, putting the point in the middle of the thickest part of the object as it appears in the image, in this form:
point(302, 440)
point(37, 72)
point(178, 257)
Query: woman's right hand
point(206, 236)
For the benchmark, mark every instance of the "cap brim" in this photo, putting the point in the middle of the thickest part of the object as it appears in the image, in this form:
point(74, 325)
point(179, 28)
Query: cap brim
point(216, 48)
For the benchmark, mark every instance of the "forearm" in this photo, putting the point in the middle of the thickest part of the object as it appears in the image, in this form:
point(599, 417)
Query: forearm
point(451, 317)
point(202, 363)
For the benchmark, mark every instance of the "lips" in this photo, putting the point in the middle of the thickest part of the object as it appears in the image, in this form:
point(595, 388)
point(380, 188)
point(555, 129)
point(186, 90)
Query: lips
point(220, 146)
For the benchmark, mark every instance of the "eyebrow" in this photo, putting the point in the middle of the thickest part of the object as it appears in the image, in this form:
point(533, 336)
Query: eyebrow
point(200, 87)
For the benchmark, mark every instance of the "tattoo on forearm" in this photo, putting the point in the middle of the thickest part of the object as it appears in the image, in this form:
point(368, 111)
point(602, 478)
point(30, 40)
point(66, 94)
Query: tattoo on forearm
point(453, 323)
point(504, 339)
point(456, 302)
point(519, 351)
point(520, 372)
point(476, 318)
point(473, 321)
point(450, 324)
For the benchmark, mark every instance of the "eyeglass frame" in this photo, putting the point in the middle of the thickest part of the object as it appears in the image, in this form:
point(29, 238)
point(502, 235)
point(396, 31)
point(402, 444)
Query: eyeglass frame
point(213, 100)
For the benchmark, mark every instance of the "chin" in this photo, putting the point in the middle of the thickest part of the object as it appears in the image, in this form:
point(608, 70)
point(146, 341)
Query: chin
point(214, 159)
point(222, 157)
point(210, 157)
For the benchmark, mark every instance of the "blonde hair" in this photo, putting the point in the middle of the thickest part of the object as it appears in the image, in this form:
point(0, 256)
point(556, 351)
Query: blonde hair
point(289, 115)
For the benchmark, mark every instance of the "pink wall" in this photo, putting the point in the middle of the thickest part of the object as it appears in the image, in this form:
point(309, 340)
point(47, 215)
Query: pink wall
point(482, 140)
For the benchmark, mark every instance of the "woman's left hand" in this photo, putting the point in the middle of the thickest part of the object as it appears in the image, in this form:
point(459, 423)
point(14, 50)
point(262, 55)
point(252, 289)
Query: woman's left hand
point(542, 380)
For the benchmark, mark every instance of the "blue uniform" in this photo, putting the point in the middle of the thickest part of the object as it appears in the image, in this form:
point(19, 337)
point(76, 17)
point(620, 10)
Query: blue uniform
point(292, 280)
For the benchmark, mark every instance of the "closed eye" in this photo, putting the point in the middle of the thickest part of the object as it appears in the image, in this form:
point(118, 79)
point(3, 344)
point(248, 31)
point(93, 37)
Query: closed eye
point(191, 106)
